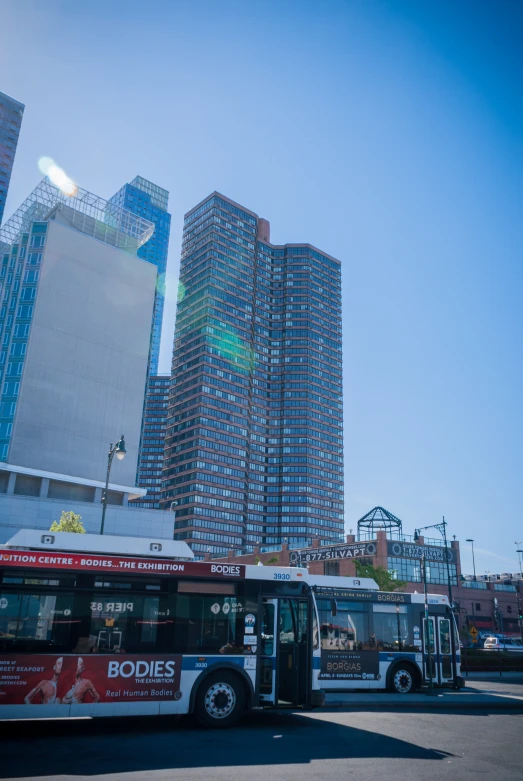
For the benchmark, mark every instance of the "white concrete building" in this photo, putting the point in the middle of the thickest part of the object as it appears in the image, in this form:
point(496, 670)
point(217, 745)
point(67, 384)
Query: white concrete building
point(76, 313)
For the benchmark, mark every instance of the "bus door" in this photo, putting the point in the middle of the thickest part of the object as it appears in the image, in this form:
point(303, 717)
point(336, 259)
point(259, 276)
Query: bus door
point(429, 649)
point(444, 650)
point(268, 652)
point(437, 648)
point(285, 670)
point(294, 670)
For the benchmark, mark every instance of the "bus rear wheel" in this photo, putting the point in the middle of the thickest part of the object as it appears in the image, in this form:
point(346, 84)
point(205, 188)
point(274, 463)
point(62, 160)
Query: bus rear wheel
point(220, 700)
point(403, 680)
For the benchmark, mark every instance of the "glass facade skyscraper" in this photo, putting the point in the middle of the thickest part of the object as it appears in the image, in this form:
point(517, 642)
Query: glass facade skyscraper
point(254, 448)
point(150, 462)
point(151, 202)
point(11, 113)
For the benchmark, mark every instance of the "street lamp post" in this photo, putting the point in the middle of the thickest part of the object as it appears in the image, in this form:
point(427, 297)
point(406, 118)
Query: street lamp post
point(398, 625)
point(520, 553)
point(518, 598)
point(442, 528)
point(473, 559)
point(119, 451)
point(428, 634)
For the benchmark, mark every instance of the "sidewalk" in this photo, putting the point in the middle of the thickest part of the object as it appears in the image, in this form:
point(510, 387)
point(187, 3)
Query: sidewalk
point(480, 695)
point(494, 683)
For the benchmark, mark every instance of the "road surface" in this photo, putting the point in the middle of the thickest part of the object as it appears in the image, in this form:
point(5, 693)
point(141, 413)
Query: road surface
point(329, 745)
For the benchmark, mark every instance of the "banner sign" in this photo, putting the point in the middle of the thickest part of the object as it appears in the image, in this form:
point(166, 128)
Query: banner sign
point(34, 679)
point(332, 553)
point(407, 550)
point(350, 665)
point(387, 597)
point(94, 562)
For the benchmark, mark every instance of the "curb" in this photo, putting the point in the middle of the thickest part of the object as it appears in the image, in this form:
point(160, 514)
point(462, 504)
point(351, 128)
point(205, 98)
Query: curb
point(429, 704)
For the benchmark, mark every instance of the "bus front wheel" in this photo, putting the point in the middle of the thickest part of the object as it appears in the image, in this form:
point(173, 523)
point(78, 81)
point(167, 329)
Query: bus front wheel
point(403, 679)
point(220, 700)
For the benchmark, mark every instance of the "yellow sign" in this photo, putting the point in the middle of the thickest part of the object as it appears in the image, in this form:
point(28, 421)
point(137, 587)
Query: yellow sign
point(473, 632)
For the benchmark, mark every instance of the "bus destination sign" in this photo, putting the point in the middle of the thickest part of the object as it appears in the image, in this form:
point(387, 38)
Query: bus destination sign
point(89, 562)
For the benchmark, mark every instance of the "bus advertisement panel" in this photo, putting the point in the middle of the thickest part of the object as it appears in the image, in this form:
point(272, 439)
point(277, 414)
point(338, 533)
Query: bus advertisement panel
point(70, 680)
point(86, 562)
point(350, 665)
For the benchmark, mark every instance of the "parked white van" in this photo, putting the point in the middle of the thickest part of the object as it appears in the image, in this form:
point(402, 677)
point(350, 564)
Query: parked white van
point(502, 644)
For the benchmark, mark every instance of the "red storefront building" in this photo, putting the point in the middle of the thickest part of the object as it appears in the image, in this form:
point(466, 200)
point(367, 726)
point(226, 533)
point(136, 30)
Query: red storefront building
point(490, 606)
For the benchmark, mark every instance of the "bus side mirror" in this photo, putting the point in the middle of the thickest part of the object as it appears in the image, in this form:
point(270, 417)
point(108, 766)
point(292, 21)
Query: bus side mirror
point(334, 607)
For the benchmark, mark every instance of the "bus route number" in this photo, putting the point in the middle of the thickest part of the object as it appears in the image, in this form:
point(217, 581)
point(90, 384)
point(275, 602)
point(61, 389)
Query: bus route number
point(282, 576)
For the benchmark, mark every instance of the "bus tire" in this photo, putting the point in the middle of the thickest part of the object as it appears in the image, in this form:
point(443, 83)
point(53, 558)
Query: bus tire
point(220, 700)
point(403, 679)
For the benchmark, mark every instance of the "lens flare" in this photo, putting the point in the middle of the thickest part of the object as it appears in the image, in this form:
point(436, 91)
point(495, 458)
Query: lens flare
point(160, 285)
point(57, 176)
point(181, 291)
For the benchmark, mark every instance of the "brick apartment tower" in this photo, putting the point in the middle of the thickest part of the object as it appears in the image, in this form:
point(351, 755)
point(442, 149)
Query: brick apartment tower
point(254, 448)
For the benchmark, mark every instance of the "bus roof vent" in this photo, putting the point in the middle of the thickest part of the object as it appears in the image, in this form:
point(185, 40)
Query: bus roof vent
point(96, 543)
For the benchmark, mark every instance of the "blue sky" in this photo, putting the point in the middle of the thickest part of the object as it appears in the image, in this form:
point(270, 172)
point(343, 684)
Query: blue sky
point(388, 134)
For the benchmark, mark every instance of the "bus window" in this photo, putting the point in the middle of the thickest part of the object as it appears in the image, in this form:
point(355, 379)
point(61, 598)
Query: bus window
point(209, 623)
point(267, 629)
point(32, 622)
point(391, 627)
point(444, 636)
point(301, 609)
point(348, 630)
point(315, 630)
point(287, 634)
point(125, 622)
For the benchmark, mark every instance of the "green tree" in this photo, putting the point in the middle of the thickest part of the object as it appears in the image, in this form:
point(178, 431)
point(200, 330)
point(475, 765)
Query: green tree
point(69, 522)
point(272, 560)
point(382, 576)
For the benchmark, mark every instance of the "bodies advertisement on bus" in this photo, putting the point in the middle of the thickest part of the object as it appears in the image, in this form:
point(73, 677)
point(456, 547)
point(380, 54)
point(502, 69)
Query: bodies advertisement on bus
point(71, 680)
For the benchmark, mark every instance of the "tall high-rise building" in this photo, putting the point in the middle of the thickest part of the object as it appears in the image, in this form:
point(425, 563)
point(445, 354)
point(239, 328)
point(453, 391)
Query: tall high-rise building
point(254, 449)
point(150, 202)
point(152, 443)
point(11, 113)
point(75, 328)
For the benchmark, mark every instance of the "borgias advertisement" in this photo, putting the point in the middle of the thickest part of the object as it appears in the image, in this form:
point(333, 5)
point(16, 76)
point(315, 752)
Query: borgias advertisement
point(350, 665)
point(70, 680)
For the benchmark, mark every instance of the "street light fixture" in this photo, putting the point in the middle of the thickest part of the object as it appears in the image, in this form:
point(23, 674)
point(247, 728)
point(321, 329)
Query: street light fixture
point(473, 559)
point(428, 633)
point(442, 528)
point(119, 451)
point(520, 553)
point(520, 607)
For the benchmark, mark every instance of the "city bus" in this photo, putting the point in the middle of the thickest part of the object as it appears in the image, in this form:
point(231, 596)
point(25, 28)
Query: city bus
point(109, 626)
point(382, 640)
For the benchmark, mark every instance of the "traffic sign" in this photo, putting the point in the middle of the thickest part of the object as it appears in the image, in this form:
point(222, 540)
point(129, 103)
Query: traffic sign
point(473, 632)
